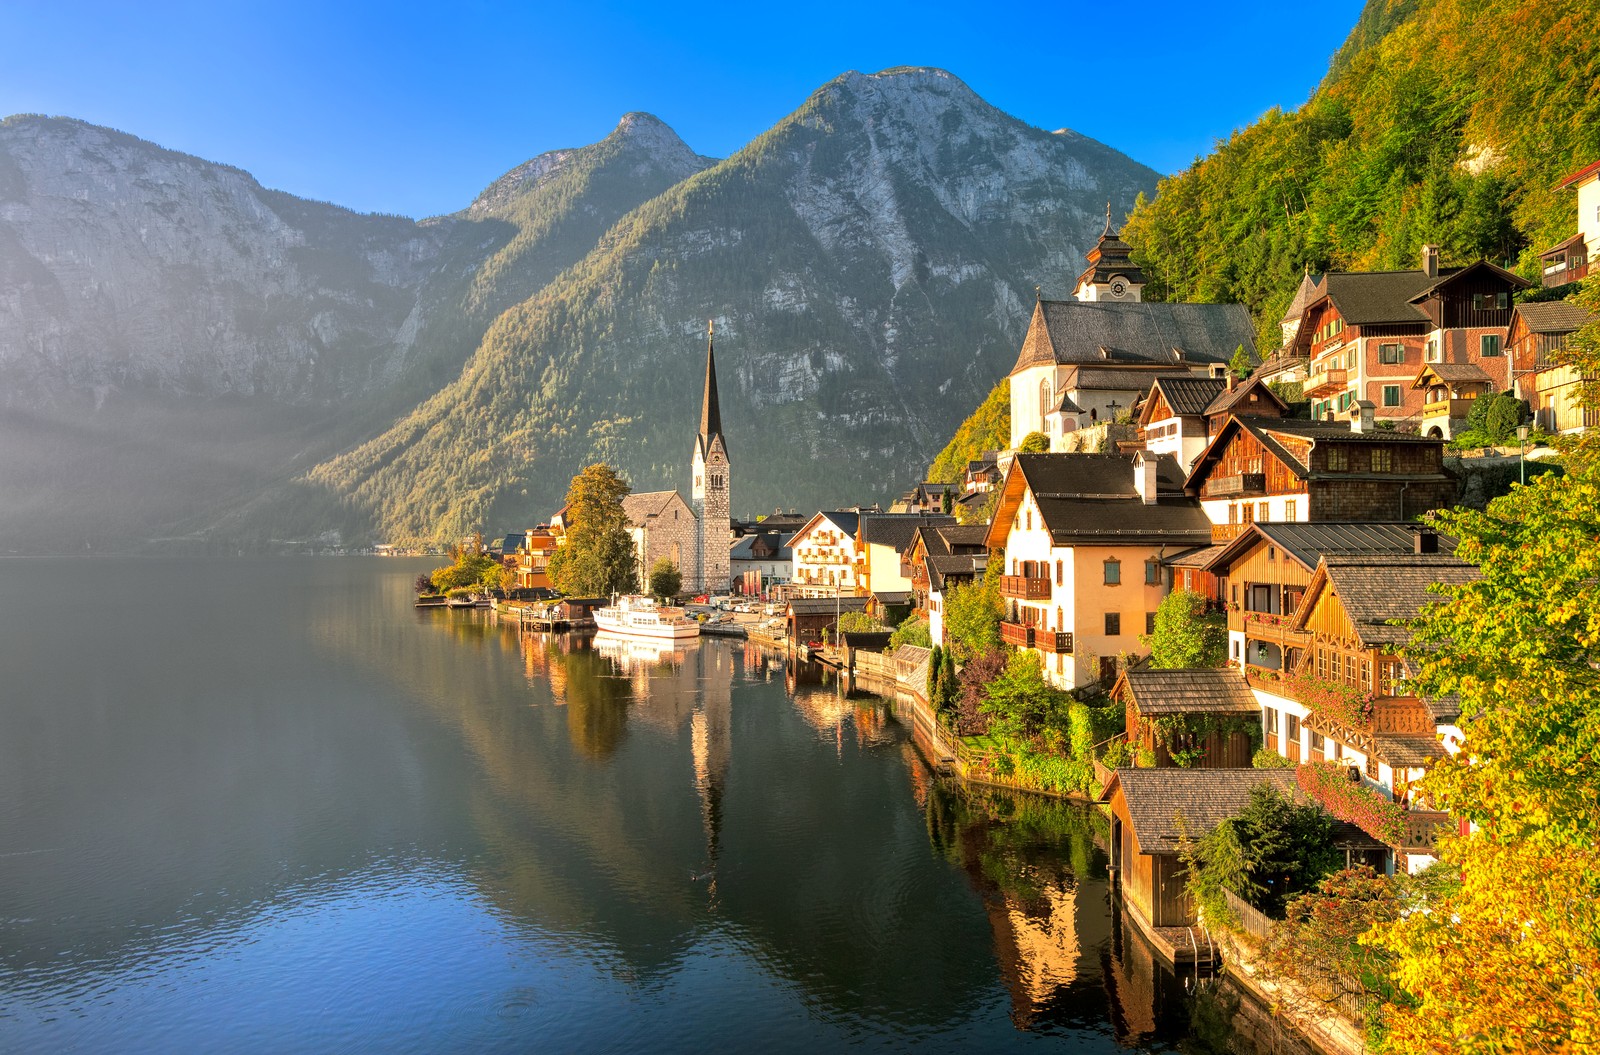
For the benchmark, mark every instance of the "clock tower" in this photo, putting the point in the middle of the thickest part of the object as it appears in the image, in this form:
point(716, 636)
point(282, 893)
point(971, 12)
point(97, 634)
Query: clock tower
point(1112, 275)
point(711, 571)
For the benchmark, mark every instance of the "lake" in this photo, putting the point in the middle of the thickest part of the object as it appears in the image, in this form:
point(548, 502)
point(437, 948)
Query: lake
point(266, 805)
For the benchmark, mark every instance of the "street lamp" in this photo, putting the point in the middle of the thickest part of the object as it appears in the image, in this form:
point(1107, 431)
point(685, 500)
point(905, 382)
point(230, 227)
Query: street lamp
point(1522, 446)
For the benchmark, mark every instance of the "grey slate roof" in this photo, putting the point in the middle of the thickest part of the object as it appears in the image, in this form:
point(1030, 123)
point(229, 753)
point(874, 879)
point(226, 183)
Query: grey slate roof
point(1071, 331)
point(1204, 797)
point(1310, 289)
point(643, 504)
point(1238, 401)
point(1552, 317)
point(826, 605)
point(897, 529)
point(1205, 690)
point(1196, 558)
point(1119, 378)
point(847, 521)
point(1308, 543)
point(1190, 395)
point(1375, 589)
point(1452, 373)
point(1365, 298)
point(1090, 498)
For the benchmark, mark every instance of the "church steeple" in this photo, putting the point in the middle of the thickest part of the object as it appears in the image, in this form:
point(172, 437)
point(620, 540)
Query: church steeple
point(710, 409)
point(1112, 274)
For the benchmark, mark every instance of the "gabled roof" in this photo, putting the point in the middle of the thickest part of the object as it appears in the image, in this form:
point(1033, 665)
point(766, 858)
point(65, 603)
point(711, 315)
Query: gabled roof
point(1451, 374)
point(642, 505)
point(844, 521)
point(1068, 332)
point(1365, 298)
point(1193, 691)
point(1450, 276)
point(1579, 176)
point(1375, 589)
point(896, 529)
point(1307, 544)
point(1273, 432)
point(826, 605)
point(1089, 499)
point(1310, 289)
point(1552, 317)
point(744, 547)
point(1238, 401)
point(1565, 244)
point(1203, 797)
point(1185, 395)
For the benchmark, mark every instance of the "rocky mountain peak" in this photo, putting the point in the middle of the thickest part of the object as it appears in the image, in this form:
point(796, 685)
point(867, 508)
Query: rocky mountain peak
point(648, 134)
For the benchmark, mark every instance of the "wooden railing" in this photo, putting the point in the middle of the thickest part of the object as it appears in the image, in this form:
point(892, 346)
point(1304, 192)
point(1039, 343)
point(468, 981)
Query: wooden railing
point(1024, 588)
point(1326, 381)
point(1252, 920)
point(1053, 641)
point(1423, 829)
point(1226, 532)
point(1454, 408)
point(1236, 485)
point(1016, 635)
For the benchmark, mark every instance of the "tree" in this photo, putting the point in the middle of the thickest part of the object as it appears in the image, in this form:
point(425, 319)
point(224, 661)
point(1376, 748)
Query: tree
point(860, 623)
point(1020, 702)
point(1505, 955)
point(1272, 849)
point(1242, 362)
point(913, 631)
point(598, 557)
point(972, 618)
point(1034, 443)
point(935, 673)
point(1185, 634)
point(945, 501)
point(666, 582)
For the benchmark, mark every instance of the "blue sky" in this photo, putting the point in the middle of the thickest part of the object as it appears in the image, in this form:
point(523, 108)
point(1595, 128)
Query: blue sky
point(413, 108)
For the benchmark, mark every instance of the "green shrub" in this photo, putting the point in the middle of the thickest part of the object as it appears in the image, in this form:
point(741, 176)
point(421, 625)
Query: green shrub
point(1267, 758)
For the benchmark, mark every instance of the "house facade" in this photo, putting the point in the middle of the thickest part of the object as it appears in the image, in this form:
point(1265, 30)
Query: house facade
point(1084, 536)
point(1570, 259)
point(824, 560)
point(1540, 332)
point(942, 557)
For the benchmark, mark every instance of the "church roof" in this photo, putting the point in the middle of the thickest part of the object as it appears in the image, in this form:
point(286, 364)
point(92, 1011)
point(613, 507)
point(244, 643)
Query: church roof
point(1072, 332)
point(1109, 257)
point(644, 504)
point(1309, 290)
point(710, 405)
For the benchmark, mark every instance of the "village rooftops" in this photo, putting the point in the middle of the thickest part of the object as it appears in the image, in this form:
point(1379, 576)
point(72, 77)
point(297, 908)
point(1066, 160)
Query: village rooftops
point(1069, 332)
point(1206, 690)
point(1247, 399)
point(1092, 499)
point(1379, 591)
point(1552, 317)
point(1167, 805)
point(1184, 396)
point(1278, 435)
point(1309, 543)
point(896, 530)
point(642, 505)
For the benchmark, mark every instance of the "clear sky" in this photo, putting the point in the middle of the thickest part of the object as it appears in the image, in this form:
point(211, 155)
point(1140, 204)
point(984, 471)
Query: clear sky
point(413, 108)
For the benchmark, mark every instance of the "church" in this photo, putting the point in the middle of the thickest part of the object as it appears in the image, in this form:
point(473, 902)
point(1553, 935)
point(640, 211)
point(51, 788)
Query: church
point(695, 535)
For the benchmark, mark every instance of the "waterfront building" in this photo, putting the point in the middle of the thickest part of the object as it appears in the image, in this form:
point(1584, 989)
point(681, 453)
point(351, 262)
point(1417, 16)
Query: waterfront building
point(760, 560)
point(710, 571)
point(1085, 536)
point(825, 555)
point(1157, 698)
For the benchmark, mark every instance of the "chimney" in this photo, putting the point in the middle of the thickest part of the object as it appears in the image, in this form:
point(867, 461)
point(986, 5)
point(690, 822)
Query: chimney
point(1430, 261)
point(1361, 417)
point(1144, 476)
point(1232, 380)
point(1425, 541)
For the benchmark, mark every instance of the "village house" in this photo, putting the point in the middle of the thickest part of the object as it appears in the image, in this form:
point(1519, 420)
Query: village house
point(1090, 359)
point(526, 556)
point(927, 497)
point(807, 619)
point(825, 555)
point(1345, 698)
point(941, 557)
point(1570, 259)
point(1287, 470)
point(1367, 335)
point(761, 560)
point(1264, 572)
point(1202, 712)
point(1084, 538)
point(883, 544)
point(661, 525)
point(1180, 415)
point(1154, 810)
point(1539, 332)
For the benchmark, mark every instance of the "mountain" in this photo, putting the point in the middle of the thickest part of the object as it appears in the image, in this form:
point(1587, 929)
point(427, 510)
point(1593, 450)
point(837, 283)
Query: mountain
point(1440, 121)
point(868, 263)
point(188, 356)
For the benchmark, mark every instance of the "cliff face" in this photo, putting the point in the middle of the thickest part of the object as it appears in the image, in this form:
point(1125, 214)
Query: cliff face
point(184, 353)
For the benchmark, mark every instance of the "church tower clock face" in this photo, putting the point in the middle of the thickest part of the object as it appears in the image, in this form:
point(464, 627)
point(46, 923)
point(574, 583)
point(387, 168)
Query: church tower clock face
point(1119, 288)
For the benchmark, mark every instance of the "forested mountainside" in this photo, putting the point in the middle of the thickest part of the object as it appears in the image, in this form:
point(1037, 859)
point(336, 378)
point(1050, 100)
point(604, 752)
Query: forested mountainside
point(1440, 121)
point(868, 263)
point(986, 429)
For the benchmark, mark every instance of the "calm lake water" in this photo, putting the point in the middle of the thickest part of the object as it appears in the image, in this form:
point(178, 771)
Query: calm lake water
point(264, 805)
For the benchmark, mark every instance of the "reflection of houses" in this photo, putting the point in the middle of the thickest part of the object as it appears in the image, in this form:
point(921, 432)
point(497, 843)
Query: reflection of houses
point(1089, 359)
point(1158, 702)
point(1084, 538)
point(1540, 333)
point(1279, 470)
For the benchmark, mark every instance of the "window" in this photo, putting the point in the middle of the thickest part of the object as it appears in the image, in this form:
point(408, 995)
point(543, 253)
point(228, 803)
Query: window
point(1262, 513)
point(1489, 345)
point(1113, 571)
point(1338, 459)
point(1113, 624)
point(1234, 594)
point(1433, 350)
point(1233, 513)
point(1044, 399)
point(1289, 510)
point(1319, 746)
point(1482, 301)
point(1382, 460)
point(1291, 727)
point(1272, 553)
point(1391, 395)
point(1149, 622)
point(1249, 511)
point(1152, 573)
point(1028, 520)
point(1058, 574)
point(1338, 749)
point(1271, 714)
point(1391, 353)
point(1372, 767)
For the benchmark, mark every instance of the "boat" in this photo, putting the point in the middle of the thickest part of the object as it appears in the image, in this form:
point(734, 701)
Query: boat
point(635, 616)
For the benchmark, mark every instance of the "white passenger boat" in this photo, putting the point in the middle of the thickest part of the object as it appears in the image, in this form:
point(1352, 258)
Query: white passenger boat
point(635, 616)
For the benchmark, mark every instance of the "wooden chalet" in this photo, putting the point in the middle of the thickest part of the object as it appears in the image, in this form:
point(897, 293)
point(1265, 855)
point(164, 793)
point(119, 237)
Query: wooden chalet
point(807, 617)
point(1172, 417)
point(1286, 470)
point(1571, 259)
point(1150, 695)
point(1540, 334)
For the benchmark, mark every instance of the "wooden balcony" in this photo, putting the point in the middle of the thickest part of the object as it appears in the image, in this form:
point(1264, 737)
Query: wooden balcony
point(1443, 408)
point(1016, 635)
point(1561, 274)
point(1023, 588)
point(1226, 532)
point(1423, 829)
point(1053, 641)
point(1237, 485)
point(1327, 382)
point(1269, 626)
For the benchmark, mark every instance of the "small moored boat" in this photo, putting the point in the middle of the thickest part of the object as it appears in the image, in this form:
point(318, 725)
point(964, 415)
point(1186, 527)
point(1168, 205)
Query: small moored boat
point(636, 616)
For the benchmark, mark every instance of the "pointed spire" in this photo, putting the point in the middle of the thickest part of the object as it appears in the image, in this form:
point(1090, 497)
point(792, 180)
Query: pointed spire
point(1107, 232)
point(710, 409)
